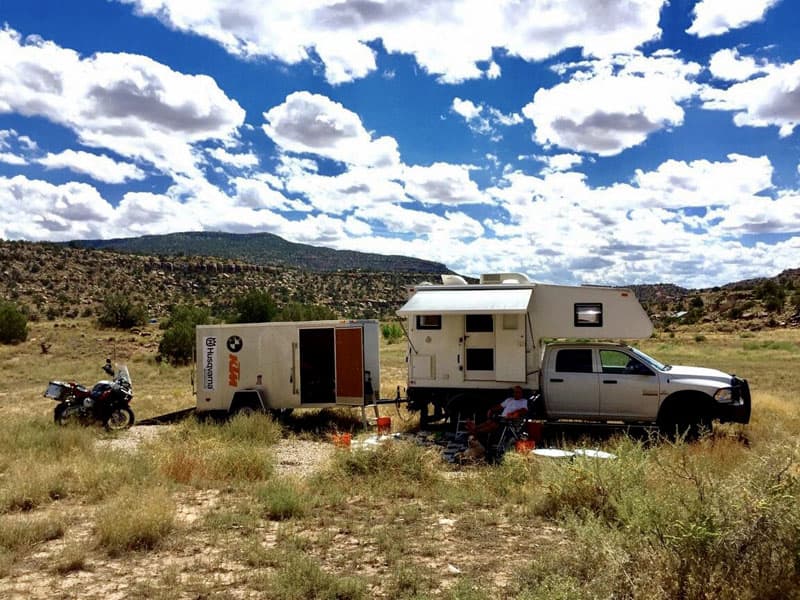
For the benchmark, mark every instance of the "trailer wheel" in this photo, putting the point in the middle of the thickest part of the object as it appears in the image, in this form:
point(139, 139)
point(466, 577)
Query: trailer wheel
point(244, 410)
point(246, 402)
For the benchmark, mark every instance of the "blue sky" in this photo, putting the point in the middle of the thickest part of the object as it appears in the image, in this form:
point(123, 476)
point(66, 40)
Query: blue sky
point(580, 141)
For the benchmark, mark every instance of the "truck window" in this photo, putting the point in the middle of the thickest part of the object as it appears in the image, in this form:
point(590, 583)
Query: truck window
point(479, 323)
point(575, 360)
point(429, 321)
point(613, 361)
point(588, 314)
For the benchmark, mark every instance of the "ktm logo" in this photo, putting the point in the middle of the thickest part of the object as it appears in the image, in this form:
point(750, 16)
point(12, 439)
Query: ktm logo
point(233, 370)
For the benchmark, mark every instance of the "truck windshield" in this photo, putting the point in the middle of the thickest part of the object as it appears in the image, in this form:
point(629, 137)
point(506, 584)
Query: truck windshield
point(650, 360)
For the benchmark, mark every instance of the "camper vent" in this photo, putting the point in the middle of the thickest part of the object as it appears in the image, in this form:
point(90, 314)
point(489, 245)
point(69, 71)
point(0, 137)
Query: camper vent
point(504, 278)
point(453, 280)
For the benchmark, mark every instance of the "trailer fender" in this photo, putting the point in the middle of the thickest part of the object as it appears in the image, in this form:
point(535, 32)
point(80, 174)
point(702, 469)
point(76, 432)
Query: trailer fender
point(248, 402)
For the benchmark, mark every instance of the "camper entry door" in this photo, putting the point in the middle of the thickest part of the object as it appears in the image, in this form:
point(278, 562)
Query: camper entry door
point(479, 342)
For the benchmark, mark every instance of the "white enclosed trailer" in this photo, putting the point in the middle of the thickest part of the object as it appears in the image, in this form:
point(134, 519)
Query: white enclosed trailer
point(469, 343)
point(286, 365)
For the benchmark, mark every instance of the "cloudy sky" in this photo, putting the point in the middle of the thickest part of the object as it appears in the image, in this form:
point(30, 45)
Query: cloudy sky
point(577, 141)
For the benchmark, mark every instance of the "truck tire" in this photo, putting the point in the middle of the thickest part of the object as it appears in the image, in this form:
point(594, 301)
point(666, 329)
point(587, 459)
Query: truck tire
point(685, 418)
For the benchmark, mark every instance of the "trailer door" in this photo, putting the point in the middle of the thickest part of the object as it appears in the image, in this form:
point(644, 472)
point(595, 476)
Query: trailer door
point(350, 366)
point(317, 366)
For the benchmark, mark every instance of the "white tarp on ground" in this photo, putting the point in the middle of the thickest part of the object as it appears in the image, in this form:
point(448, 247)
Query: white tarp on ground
point(467, 301)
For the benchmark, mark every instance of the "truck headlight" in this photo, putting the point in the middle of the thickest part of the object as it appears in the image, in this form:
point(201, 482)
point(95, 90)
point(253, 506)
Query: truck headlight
point(724, 396)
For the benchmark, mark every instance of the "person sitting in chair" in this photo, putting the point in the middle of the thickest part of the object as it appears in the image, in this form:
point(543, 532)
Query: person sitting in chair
point(513, 407)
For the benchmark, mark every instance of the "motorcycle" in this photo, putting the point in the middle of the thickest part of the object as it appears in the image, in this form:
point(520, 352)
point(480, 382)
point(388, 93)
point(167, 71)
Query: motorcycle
point(106, 402)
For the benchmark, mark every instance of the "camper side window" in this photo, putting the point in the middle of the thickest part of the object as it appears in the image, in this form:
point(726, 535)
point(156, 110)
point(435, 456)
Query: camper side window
point(588, 314)
point(429, 321)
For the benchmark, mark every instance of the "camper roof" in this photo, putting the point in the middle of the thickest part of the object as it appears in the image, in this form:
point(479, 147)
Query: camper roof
point(469, 300)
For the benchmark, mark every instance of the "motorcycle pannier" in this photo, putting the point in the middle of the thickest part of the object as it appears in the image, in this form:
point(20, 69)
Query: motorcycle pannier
point(56, 390)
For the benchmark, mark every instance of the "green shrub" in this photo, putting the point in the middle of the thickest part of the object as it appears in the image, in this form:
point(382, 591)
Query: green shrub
point(120, 311)
point(774, 303)
point(392, 332)
point(394, 469)
point(282, 499)
point(296, 311)
point(13, 324)
point(300, 576)
point(255, 307)
point(177, 344)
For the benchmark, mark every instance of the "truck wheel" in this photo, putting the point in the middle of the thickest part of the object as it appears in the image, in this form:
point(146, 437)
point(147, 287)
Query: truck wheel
point(687, 426)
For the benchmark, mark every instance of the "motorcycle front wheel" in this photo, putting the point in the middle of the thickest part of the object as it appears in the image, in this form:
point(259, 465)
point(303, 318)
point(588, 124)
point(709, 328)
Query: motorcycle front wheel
point(119, 418)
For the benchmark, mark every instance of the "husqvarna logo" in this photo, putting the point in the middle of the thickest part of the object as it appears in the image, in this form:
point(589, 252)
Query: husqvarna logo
point(209, 362)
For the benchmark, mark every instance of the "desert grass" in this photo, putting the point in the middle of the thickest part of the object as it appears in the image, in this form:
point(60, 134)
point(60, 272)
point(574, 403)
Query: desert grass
point(135, 519)
point(717, 518)
point(208, 454)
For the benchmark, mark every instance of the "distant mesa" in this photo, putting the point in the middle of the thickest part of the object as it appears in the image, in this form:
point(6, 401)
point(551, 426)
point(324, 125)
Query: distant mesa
point(263, 249)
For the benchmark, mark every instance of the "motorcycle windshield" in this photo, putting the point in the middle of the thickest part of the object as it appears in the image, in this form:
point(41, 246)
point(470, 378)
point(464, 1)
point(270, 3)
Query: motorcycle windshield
point(123, 375)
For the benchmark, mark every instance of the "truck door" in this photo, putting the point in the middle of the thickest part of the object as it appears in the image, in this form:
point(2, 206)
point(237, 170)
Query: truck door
point(350, 366)
point(571, 385)
point(628, 388)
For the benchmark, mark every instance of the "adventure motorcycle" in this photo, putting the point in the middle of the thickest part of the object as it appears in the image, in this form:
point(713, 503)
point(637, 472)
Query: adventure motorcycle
point(106, 402)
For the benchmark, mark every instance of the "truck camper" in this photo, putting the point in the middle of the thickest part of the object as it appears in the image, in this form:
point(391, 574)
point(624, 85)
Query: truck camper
point(469, 344)
point(277, 367)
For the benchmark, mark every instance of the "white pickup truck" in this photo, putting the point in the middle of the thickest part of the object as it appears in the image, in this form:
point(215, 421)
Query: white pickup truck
point(609, 382)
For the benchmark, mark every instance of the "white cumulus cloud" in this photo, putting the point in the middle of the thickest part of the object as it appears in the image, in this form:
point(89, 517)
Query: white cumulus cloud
point(729, 65)
point(99, 167)
point(128, 103)
point(631, 97)
point(339, 32)
point(715, 17)
point(772, 100)
point(315, 124)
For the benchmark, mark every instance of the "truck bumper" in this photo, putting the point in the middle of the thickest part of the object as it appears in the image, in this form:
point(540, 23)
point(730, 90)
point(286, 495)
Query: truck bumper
point(738, 411)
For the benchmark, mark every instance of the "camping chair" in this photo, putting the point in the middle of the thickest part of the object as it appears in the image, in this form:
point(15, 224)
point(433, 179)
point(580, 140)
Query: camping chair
point(514, 430)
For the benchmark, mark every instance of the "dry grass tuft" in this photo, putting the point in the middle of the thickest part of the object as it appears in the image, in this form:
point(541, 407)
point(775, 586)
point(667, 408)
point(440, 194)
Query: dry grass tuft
point(135, 519)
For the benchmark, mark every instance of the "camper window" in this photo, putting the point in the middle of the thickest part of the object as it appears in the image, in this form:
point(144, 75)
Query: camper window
point(479, 323)
point(429, 321)
point(588, 314)
point(480, 359)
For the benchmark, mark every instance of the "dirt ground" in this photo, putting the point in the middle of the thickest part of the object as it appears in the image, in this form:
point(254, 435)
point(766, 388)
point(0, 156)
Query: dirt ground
point(198, 563)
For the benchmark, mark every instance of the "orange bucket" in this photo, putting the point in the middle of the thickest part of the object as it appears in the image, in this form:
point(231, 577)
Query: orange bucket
point(524, 446)
point(535, 430)
point(341, 440)
point(384, 425)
